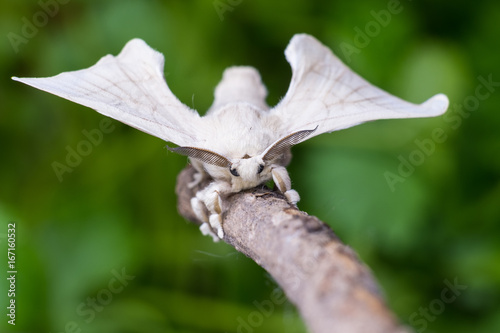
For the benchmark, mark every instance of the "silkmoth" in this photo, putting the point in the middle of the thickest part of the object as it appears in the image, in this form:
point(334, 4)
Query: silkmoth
point(240, 142)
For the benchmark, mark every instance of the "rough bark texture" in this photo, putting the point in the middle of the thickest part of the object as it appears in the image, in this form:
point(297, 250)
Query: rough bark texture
point(333, 290)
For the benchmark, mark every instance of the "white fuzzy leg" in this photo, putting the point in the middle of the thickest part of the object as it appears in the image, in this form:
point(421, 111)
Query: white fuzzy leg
point(200, 212)
point(282, 180)
point(198, 205)
point(206, 230)
point(211, 197)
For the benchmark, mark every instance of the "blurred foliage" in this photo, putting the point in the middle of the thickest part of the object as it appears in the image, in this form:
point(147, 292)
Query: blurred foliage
point(116, 210)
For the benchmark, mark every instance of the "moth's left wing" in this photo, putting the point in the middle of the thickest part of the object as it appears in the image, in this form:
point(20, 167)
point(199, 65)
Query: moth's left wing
point(324, 92)
point(130, 88)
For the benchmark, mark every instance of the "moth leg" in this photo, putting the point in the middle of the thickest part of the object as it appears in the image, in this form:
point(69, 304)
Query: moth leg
point(206, 230)
point(282, 180)
point(200, 174)
point(211, 197)
point(199, 209)
point(201, 212)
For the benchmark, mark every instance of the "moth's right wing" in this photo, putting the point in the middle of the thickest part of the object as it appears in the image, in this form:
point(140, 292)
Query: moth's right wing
point(130, 88)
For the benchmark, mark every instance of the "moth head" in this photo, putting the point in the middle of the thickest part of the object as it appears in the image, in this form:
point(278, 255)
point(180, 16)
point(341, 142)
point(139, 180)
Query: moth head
point(248, 170)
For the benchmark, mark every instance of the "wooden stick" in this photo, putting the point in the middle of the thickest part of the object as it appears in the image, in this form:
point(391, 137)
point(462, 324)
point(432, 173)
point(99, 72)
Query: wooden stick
point(333, 290)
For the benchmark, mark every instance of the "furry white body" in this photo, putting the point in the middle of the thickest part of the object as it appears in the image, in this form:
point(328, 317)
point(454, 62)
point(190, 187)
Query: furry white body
point(241, 142)
point(253, 129)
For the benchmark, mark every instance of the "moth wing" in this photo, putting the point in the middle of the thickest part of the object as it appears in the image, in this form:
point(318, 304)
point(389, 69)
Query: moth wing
point(130, 88)
point(324, 92)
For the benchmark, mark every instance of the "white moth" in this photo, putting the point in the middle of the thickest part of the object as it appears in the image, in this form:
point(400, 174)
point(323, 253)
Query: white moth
point(240, 142)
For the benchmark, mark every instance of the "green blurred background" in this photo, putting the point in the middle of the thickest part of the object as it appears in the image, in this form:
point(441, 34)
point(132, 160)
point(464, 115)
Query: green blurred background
point(115, 213)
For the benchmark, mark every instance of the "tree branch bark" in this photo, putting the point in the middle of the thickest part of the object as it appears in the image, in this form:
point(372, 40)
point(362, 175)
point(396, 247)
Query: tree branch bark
point(333, 290)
